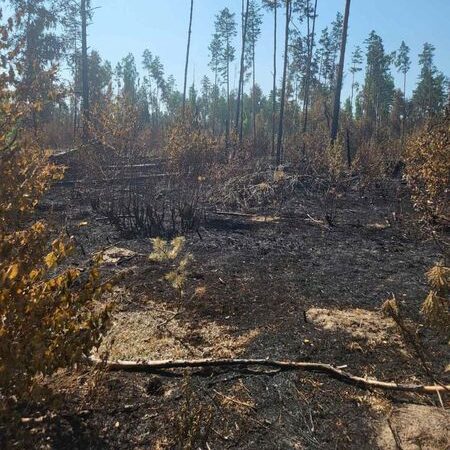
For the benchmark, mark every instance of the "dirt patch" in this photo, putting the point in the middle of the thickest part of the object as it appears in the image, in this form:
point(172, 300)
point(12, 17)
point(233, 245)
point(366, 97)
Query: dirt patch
point(360, 324)
point(157, 333)
point(415, 427)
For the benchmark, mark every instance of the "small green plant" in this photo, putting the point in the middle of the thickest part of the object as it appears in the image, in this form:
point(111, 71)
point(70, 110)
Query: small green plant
point(436, 306)
point(172, 252)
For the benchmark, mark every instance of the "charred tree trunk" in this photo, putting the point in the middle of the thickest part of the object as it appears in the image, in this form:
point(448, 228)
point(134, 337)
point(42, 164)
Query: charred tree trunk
point(186, 67)
point(340, 74)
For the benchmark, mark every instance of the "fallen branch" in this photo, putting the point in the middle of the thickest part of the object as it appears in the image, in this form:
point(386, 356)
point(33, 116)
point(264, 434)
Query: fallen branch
point(327, 369)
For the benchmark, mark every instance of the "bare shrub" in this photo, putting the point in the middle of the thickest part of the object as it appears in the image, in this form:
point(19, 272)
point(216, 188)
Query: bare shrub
point(154, 197)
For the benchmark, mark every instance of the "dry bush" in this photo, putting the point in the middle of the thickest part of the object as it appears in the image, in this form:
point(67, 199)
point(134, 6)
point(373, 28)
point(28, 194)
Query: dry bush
point(190, 150)
point(167, 200)
point(428, 170)
point(376, 160)
point(118, 138)
point(49, 317)
point(436, 307)
point(49, 320)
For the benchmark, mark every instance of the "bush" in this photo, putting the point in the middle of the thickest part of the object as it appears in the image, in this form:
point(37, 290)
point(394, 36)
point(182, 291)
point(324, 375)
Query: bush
point(49, 320)
point(428, 170)
point(190, 150)
point(167, 202)
point(49, 317)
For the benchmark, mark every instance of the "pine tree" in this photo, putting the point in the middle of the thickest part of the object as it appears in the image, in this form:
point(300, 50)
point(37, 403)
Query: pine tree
point(214, 64)
point(129, 76)
point(225, 32)
point(253, 33)
point(187, 56)
point(356, 67)
point(84, 5)
point(274, 5)
point(340, 74)
point(378, 88)
point(429, 96)
point(403, 63)
point(239, 102)
point(41, 45)
point(288, 12)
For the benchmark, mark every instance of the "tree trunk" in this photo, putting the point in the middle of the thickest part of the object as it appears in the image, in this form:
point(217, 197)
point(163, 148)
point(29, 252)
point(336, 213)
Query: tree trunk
point(404, 86)
point(84, 71)
point(253, 96)
point(337, 93)
point(308, 71)
point(227, 122)
point(283, 86)
point(187, 58)
point(353, 90)
point(274, 100)
point(241, 73)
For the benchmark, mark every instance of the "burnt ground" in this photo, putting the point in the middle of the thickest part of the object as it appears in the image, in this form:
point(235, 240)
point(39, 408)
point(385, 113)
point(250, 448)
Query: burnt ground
point(282, 285)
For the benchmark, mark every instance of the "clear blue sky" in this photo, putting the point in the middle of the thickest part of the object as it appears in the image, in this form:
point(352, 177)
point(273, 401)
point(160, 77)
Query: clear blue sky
point(120, 27)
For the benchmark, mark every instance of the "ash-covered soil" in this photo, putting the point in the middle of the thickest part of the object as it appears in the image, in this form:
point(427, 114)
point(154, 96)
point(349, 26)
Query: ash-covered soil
point(278, 284)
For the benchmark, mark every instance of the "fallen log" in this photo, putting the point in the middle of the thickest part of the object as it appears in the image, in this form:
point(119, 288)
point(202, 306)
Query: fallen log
point(327, 369)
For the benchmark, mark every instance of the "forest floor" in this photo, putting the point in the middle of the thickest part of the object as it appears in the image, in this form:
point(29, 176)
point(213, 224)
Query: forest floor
point(281, 285)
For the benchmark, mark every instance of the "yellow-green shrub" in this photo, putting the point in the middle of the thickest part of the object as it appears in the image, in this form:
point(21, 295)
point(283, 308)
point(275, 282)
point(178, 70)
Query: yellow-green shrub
point(49, 317)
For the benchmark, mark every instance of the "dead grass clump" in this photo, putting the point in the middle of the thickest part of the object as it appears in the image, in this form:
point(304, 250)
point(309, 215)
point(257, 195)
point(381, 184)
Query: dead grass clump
point(360, 324)
point(192, 421)
point(263, 188)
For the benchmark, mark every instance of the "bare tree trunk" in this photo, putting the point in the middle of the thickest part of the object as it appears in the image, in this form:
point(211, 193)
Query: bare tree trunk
point(274, 100)
point(75, 115)
point(353, 89)
point(308, 71)
point(227, 122)
point(340, 74)
point(84, 70)
point(241, 73)
point(283, 86)
point(253, 96)
point(214, 107)
point(187, 58)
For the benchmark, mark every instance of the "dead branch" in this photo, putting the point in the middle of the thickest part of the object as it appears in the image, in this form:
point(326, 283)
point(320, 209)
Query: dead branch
point(327, 369)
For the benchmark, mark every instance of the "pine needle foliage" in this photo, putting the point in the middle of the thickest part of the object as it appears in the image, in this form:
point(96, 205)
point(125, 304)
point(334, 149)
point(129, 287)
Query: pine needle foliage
point(436, 307)
point(173, 253)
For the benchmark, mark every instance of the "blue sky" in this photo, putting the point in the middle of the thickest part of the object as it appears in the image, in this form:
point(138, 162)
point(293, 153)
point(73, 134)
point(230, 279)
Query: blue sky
point(120, 27)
